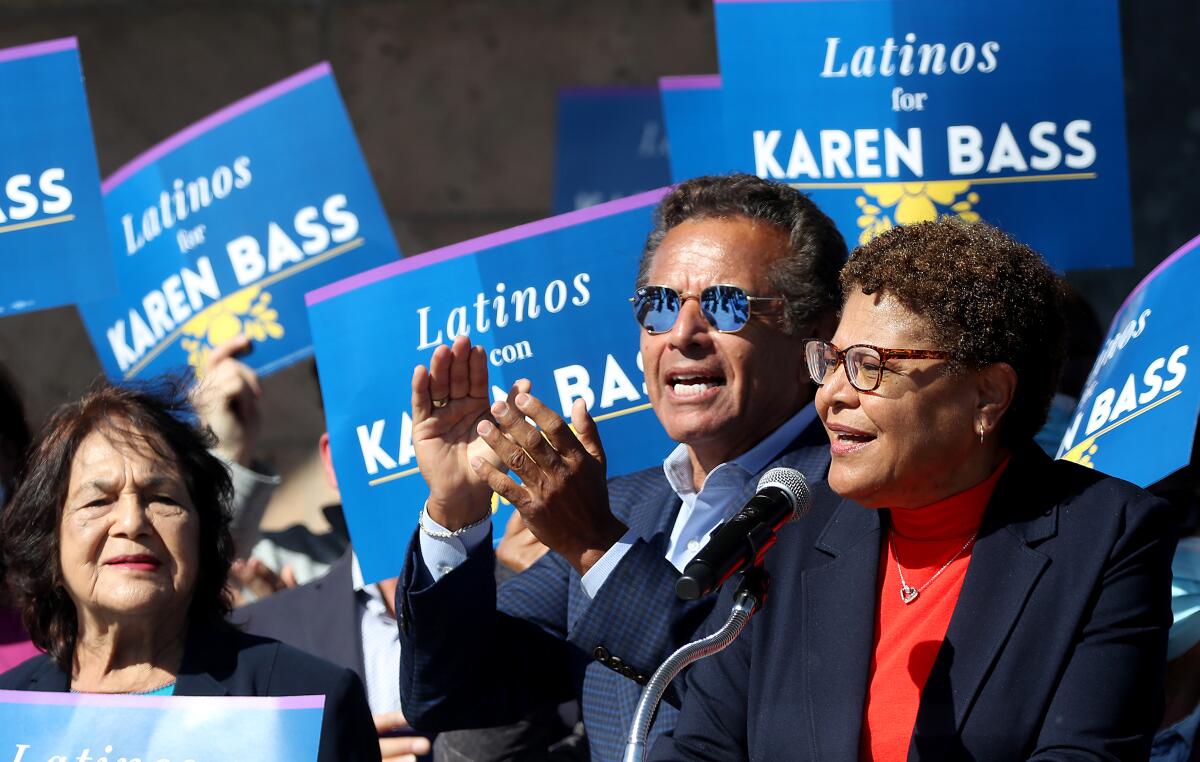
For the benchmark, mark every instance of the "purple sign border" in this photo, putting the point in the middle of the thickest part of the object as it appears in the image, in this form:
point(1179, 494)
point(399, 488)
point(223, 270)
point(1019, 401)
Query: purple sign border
point(690, 82)
point(490, 241)
point(605, 91)
point(233, 110)
point(133, 701)
point(1158, 270)
point(768, 2)
point(39, 49)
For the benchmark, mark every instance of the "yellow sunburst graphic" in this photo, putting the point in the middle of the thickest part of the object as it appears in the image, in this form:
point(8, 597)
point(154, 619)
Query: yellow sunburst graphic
point(248, 312)
point(885, 205)
point(1082, 453)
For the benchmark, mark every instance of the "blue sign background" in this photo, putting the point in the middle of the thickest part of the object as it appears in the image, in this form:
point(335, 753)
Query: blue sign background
point(1023, 64)
point(158, 729)
point(1136, 417)
point(695, 126)
point(611, 144)
point(52, 245)
point(368, 336)
point(299, 211)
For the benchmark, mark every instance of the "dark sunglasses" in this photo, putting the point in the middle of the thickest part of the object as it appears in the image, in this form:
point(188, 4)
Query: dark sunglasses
point(725, 307)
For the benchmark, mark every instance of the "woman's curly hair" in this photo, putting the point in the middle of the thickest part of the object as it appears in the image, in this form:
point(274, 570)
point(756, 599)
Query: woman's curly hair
point(985, 297)
point(156, 417)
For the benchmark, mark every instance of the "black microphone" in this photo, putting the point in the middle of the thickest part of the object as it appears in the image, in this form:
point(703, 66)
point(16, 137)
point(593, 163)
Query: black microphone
point(781, 497)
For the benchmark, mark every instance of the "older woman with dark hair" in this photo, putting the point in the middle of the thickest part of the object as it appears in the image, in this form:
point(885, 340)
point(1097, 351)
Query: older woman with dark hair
point(957, 594)
point(118, 547)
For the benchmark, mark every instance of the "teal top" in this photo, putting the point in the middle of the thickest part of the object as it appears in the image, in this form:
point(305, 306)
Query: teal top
point(166, 690)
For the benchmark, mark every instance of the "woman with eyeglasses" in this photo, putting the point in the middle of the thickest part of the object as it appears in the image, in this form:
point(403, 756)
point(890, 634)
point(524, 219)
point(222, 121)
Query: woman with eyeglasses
point(957, 595)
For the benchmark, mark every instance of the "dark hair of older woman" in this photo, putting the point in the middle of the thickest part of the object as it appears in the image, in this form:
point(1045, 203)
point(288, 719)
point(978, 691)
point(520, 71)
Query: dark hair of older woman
point(118, 549)
point(954, 593)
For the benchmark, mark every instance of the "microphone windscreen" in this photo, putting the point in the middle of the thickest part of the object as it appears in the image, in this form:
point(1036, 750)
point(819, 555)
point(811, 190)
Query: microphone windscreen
point(791, 482)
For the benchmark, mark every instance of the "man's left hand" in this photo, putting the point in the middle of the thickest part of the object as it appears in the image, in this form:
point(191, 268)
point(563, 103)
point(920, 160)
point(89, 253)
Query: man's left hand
point(563, 494)
point(398, 748)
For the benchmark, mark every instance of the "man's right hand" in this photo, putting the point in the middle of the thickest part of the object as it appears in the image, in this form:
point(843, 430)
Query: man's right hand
point(444, 436)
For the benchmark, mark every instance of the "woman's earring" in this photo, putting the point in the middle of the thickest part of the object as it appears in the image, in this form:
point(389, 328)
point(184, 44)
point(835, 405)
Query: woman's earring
point(981, 432)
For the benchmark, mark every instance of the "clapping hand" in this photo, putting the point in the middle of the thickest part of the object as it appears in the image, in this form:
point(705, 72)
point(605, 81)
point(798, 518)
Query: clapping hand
point(563, 494)
point(448, 399)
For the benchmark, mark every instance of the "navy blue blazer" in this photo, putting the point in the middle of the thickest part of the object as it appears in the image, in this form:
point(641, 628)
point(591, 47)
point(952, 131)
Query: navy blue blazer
point(475, 655)
point(225, 662)
point(319, 617)
point(1055, 650)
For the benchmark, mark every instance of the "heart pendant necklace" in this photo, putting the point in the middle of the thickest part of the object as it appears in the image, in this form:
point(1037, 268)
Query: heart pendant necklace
point(908, 593)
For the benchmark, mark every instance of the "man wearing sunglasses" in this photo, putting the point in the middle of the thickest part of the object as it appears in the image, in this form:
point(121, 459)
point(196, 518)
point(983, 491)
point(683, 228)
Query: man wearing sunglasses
point(736, 273)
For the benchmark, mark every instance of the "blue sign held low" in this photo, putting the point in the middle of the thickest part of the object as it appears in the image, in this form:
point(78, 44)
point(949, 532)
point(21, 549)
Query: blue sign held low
point(36, 727)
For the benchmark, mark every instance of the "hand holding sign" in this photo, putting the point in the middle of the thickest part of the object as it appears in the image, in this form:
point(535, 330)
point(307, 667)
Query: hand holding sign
point(226, 400)
point(563, 495)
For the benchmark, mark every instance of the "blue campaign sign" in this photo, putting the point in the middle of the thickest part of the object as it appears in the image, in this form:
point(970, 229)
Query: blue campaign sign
point(52, 237)
point(611, 144)
point(1136, 417)
point(222, 229)
point(896, 111)
point(549, 301)
point(62, 727)
point(695, 127)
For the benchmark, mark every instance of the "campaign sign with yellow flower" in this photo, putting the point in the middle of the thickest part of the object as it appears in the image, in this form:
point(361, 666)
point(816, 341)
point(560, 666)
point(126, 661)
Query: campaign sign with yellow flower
point(896, 111)
point(1136, 417)
point(221, 229)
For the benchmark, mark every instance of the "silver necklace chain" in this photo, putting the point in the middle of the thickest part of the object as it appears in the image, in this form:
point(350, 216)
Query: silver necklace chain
point(908, 593)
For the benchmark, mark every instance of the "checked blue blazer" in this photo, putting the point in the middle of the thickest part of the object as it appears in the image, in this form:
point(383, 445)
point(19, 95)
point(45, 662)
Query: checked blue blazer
point(473, 655)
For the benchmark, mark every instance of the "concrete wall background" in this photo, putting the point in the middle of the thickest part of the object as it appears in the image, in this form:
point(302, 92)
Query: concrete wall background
point(453, 101)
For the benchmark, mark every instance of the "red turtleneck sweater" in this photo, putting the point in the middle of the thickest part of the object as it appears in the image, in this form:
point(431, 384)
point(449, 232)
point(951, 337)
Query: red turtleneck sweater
point(908, 635)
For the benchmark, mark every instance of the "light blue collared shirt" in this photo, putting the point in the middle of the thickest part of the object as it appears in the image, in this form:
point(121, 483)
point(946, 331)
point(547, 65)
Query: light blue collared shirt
point(698, 516)
point(380, 644)
point(1174, 744)
point(714, 503)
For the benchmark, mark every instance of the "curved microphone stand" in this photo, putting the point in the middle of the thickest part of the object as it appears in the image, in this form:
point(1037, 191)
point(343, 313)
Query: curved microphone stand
point(748, 599)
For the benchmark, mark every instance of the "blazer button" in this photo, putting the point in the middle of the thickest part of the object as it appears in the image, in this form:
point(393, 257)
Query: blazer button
point(601, 654)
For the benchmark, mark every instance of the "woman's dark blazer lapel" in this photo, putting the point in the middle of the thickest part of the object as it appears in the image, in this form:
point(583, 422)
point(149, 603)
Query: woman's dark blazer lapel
point(841, 605)
point(1005, 568)
point(208, 658)
point(839, 608)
